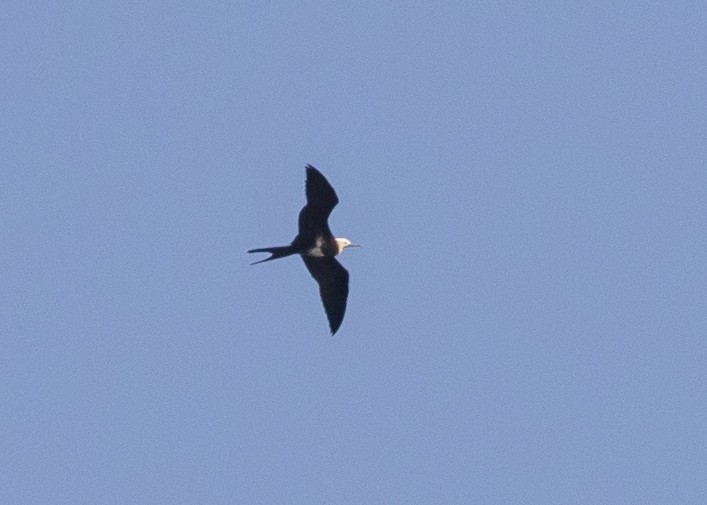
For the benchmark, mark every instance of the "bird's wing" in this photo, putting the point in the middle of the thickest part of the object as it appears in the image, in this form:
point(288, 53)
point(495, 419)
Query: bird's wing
point(320, 195)
point(333, 280)
point(321, 200)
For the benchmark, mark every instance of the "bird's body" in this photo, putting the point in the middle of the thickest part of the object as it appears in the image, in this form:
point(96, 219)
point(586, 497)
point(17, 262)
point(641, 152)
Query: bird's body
point(318, 247)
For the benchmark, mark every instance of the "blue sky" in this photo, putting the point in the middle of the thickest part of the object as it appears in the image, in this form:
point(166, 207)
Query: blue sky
point(527, 316)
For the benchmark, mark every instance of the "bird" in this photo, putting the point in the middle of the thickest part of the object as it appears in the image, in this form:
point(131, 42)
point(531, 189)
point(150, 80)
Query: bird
point(318, 247)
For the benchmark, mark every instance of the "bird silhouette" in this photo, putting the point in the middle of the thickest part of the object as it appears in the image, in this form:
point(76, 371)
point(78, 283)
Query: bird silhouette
point(318, 247)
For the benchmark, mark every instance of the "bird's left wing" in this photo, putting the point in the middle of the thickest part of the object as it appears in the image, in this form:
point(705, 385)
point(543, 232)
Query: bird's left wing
point(333, 280)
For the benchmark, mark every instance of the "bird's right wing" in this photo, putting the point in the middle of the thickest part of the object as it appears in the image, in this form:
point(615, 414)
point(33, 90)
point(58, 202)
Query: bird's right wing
point(320, 195)
point(333, 280)
point(321, 200)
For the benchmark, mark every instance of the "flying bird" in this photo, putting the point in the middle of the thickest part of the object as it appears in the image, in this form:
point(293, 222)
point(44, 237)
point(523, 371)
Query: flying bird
point(318, 247)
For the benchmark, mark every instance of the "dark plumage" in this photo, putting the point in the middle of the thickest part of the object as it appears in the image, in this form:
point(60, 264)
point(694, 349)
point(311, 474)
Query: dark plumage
point(318, 247)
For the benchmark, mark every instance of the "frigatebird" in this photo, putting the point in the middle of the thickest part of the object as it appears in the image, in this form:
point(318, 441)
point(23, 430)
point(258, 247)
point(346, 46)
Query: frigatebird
point(318, 247)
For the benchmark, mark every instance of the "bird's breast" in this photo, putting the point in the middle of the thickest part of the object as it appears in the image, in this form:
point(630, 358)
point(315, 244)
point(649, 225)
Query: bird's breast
point(322, 248)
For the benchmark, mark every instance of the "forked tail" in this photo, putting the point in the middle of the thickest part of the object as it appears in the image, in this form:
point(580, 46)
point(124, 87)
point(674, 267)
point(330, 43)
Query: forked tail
point(276, 252)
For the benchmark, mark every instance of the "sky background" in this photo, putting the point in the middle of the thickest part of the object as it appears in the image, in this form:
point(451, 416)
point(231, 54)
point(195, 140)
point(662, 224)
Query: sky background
point(527, 317)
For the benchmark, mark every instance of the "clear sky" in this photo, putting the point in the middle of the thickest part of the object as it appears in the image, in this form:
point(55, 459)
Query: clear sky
point(528, 314)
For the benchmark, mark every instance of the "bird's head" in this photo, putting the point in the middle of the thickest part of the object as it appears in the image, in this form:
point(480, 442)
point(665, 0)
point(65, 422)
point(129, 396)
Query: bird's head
point(343, 243)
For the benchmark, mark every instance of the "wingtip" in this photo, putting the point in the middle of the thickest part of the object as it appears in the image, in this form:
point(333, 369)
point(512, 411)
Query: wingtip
point(334, 329)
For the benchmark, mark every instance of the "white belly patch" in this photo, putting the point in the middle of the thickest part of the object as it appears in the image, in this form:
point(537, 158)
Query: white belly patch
point(318, 250)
